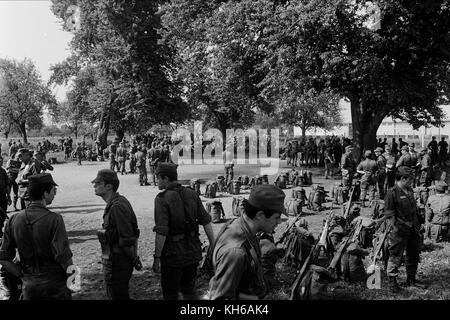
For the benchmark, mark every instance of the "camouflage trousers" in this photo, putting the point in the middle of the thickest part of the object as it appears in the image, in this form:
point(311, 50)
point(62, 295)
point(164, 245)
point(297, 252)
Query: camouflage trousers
point(367, 187)
point(400, 241)
point(347, 180)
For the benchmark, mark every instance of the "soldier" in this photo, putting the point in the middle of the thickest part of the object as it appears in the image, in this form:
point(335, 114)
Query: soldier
point(236, 254)
point(27, 168)
point(394, 147)
point(112, 156)
point(133, 151)
point(426, 168)
point(178, 214)
point(405, 158)
point(401, 214)
point(154, 157)
point(141, 165)
point(40, 237)
point(13, 150)
point(348, 168)
point(79, 153)
point(118, 238)
point(443, 146)
point(433, 145)
point(415, 163)
point(67, 149)
point(5, 198)
point(368, 168)
point(437, 212)
point(381, 174)
point(42, 163)
point(122, 155)
point(12, 170)
point(390, 168)
point(329, 162)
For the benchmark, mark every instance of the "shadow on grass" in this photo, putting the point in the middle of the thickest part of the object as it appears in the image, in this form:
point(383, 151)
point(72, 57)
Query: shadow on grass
point(82, 233)
point(430, 246)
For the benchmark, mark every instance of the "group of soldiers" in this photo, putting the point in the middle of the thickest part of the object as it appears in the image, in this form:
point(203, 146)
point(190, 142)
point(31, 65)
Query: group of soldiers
point(119, 152)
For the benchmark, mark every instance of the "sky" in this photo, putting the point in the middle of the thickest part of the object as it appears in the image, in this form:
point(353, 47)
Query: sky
point(28, 29)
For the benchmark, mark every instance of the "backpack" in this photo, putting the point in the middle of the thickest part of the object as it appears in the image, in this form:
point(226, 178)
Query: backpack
point(352, 265)
point(337, 194)
point(265, 179)
point(294, 207)
point(292, 175)
point(215, 210)
point(237, 206)
point(245, 180)
point(281, 181)
point(299, 193)
point(195, 185)
point(211, 189)
point(235, 187)
point(221, 185)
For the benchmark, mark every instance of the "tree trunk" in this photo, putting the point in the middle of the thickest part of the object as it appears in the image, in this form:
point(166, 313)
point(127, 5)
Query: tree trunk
point(365, 123)
point(120, 133)
point(23, 131)
point(303, 127)
point(103, 129)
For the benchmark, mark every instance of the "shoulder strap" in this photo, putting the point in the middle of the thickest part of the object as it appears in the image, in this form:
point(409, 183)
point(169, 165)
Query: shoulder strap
point(259, 270)
point(219, 235)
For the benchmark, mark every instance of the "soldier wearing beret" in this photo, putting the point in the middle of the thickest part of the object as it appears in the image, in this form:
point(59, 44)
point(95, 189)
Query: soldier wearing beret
point(402, 216)
point(237, 255)
point(368, 168)
point(27, 168)
point(426, 168)
point(437, 213)
point(348, 168)
point(381, 174)
point(443, 149)
point(119, 237)
point(178, 214)
point(40, 238)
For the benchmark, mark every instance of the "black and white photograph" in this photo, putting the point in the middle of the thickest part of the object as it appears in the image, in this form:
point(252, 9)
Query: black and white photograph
point(207, 150)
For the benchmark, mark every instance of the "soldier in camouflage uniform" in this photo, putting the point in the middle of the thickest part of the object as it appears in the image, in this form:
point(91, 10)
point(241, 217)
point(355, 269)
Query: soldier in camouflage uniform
point(368, 168)
point(141, 165)
point(122, 155)
point(112, 156)
point(154, 157)
point(12, 170)
point(348, 168)
point(390, 168)
point(415, 164)
point(27, 169)
point(426, 168)
point(402, 216)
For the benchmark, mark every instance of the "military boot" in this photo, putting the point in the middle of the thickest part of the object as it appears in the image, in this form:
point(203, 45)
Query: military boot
point(411, 281)
point(393, 285)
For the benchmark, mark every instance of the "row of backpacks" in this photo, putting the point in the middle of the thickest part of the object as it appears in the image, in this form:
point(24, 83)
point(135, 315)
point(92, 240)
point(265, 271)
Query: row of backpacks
point(294, 178)
point(215, 209)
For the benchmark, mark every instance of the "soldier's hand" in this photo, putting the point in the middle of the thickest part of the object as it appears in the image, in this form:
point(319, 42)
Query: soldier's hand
point(156, 265)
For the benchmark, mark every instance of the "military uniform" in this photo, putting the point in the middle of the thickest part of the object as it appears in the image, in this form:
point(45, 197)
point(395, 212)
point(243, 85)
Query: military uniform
point(426, 170)
point(4, 196)
point(121, 155)
point(40, 237)
point(401, 210)
point(381, 174)
point(79, 153)
point(121, 231)
point(348, 167)
point(141, 165)
point(368, 180)
point(26, 170)
point(178, 214)
point(154, 157)
point(390, 171)
point(112, 157)
point(437, 211)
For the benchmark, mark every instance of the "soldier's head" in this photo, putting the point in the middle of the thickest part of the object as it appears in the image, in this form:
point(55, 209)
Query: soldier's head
point(423, 151)
point(106, 182)
point(387, 148)
point(405, 150)
point(39, 156)
point(378, 151)
point(348, 150)
point(404, 176)
point(368, 154)
point(25, 155)
point(433, 138)
point(411, 147)
point(441, 187)
point(42, 187)
point(264, 207)
point(166, 174)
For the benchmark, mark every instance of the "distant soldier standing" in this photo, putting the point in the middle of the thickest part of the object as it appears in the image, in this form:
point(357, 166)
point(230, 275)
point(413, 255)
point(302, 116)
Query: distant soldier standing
point(119, 237)
point(433, 145)
point(178, 214)
point(27, 168)
point(426, 168)
point(415, 163)
point(112, 156)
point(443, 149)
point(405, 158)
point(122, 155)
point(402, 216)
point(79, 153)
point(329, 162)
point(381, 174)
point(40, 237)
point(12, 170)
point(368, 169)
point(141, 165)
point(5, 198)
point(154, 157)
point(390, 168)
point(348, 168)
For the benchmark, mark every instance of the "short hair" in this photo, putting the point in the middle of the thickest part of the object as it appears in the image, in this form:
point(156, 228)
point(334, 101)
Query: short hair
point(37, 190)
point(251, 211)
point(162, 175)
point(114, 183)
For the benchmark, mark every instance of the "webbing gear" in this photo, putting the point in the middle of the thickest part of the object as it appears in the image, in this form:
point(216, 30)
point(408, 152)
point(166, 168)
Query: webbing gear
point(33, 243)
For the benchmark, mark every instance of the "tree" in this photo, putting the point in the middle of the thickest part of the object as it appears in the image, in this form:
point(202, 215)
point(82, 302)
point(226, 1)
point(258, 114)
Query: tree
point(399, 70)
point(23, 96)
point(132, 88)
